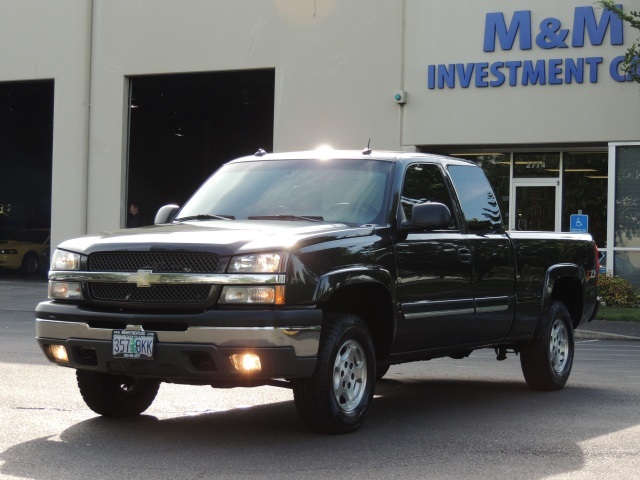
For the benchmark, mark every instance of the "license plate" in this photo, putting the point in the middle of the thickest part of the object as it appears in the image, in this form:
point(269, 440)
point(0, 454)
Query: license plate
point(132, 344)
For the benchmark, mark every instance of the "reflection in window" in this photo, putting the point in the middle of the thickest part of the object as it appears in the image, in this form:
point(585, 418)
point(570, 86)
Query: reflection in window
point(478, 202)
point(627, 215)
point(534, 209)
point(346, 191)
point(584, 182)
point(496, 166)
point(536, 165)
point(627, 266)
point(424, 183)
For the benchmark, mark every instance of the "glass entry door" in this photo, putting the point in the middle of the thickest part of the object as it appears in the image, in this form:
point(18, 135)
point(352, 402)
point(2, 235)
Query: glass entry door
point(536, 207)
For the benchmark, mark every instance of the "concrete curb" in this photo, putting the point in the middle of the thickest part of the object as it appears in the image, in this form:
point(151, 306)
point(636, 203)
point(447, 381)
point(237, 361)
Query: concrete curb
point(591, 335)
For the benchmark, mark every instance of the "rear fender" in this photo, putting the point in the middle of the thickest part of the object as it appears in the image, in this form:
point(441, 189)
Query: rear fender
point(565, 282)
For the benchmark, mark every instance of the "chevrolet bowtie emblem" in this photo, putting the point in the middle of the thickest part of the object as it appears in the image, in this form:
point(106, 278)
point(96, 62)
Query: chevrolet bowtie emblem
point(143, 278)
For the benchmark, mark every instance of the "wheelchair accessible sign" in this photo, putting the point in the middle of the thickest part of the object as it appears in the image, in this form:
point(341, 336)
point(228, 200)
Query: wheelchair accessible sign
point(579, 223)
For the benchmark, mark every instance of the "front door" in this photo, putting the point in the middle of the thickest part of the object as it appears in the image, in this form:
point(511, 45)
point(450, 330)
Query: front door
point(536, 206)
point(434, 271)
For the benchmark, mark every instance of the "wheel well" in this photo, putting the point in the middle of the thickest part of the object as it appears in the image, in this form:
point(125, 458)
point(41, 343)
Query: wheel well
point(372, 303)
point(568, 291)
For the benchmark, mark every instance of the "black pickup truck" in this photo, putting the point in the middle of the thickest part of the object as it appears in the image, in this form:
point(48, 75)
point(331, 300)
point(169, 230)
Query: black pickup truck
point(315, 271)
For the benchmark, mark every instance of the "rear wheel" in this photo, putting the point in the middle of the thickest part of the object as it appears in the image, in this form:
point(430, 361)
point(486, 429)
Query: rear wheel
point(337, 398)
point(114, 395)
point(546, 362)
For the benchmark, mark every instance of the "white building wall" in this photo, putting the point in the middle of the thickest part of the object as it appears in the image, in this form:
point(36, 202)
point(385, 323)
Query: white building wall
point(452, 32)
point(51, 40)
point(337, 65)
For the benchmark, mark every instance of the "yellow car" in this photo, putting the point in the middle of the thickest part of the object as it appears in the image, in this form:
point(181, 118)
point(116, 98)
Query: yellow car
point(27, 250)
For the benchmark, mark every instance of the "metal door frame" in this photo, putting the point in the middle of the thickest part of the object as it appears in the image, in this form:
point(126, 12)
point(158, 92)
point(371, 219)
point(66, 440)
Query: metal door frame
point(536, 182)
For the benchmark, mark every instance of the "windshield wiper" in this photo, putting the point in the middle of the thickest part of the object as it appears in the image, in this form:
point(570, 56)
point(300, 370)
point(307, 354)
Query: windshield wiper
point(308, 218)
point(205, 216)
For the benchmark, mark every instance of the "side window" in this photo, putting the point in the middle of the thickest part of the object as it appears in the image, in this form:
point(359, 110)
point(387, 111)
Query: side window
point(477, 200)
point(423, 182)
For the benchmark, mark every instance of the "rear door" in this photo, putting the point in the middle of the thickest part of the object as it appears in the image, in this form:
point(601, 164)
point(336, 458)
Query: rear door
point(493, 278)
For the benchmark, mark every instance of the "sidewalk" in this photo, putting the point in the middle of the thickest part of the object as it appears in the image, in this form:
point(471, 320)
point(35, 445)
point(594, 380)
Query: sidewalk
point(23, 294)
point(607, 330)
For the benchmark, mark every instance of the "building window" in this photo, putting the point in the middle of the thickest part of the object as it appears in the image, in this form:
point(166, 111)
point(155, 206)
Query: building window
point(584, 185)
point(536, 165)
point(627, 214)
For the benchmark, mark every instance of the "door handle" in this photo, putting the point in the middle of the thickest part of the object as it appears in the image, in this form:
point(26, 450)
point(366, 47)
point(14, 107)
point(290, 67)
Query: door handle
point(464, 255)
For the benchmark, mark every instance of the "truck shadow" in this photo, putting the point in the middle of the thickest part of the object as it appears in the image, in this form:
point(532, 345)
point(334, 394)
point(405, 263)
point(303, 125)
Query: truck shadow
point(440, 428)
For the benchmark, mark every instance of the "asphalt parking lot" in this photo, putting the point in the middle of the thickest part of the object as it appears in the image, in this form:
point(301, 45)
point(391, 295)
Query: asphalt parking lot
point(442, 419)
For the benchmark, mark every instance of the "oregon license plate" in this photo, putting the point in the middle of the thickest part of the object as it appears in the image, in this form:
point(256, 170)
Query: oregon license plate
point(132, 344)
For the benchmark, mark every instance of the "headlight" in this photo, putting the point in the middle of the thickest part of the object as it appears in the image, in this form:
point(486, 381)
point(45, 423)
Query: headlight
point(63, 260)
point(9, 251)
point(259, 263)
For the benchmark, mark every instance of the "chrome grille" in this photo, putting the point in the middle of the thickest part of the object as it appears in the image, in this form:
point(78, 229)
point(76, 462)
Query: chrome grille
point(154, 296)
point(155, 261)
point(125, 293)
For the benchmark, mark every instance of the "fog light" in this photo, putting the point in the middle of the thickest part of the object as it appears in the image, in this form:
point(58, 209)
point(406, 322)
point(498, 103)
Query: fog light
point(59, 353)
point(246, 362)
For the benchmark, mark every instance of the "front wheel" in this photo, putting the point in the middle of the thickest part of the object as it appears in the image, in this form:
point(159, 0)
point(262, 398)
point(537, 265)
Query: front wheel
point(30, 263)
point(546, 362)
point(337, 398)
point(114, 395)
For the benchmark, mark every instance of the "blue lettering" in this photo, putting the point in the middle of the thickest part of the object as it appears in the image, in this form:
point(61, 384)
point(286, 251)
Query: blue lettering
point(464, 74)
point(495, 25)
point(555, 71)
point(574, 70)
point(551, 35)
point(431, 77)
point(481, 74)
point(447, 77)
point(513, 67)
point(585, 18)
point(593, 63)
point(497, 73)
point(614, 69)
point(532, 75)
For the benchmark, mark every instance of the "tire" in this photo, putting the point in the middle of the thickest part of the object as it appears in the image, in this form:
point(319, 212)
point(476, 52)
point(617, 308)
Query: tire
point(337, 398)
point(546, 362)
point(30, 263)
point(114, 395)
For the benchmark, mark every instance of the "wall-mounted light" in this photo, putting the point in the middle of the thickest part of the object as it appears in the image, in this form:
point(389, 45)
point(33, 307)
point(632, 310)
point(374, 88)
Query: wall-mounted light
point(400, 97)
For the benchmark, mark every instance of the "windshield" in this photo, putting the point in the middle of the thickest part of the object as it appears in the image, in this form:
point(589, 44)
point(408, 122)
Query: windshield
point(31, 236)
point(345, 191)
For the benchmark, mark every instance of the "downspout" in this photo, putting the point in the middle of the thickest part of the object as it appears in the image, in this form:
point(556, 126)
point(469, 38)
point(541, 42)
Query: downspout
point(402, 79)
point(87, 103)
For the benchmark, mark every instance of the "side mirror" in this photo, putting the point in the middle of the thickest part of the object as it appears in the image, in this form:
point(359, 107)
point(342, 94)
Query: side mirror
point(166, 214)
point(428, 215)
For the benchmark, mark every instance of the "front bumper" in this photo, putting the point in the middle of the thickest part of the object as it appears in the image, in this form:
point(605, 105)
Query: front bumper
point(10, 261)
point(286, 340)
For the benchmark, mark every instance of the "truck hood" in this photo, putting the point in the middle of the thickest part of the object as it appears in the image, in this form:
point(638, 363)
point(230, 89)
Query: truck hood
point(216, 236)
